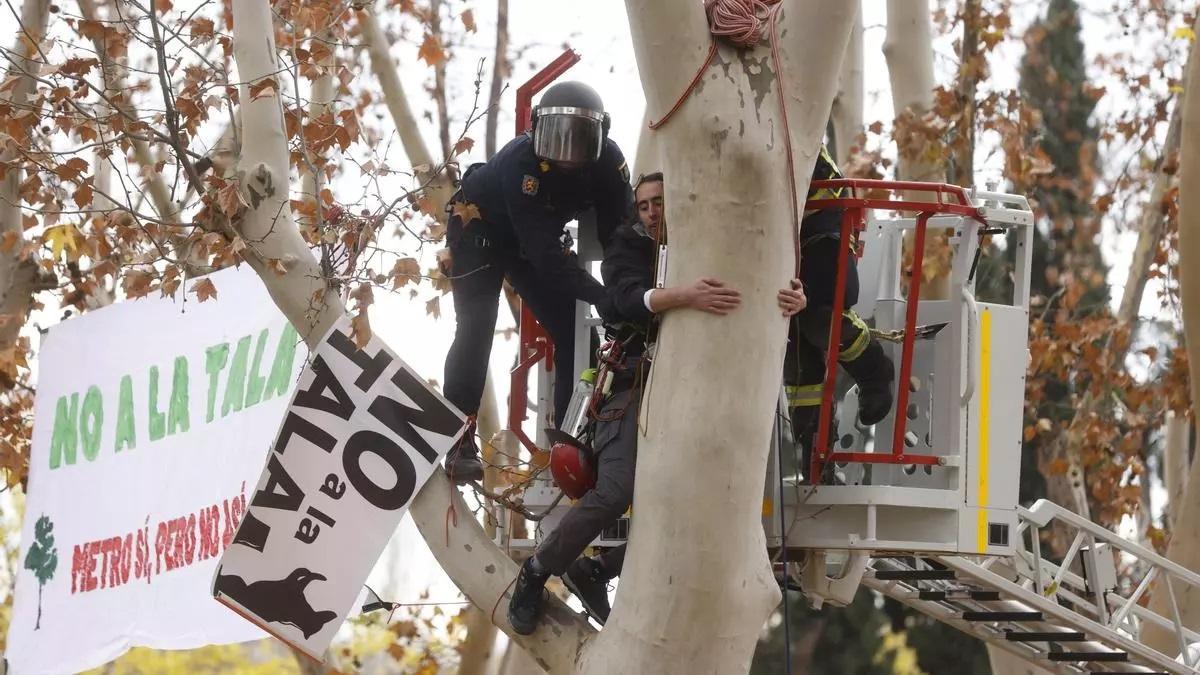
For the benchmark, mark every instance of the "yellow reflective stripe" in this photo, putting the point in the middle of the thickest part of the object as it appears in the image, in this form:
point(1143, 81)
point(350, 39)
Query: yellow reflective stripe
point(826, 193)
point(860, 343)
point(985, 426)
point(803, 396)
point(829, 159)
point(832, 172)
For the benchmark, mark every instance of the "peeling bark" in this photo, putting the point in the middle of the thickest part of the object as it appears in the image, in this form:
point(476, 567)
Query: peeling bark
point(697, 585)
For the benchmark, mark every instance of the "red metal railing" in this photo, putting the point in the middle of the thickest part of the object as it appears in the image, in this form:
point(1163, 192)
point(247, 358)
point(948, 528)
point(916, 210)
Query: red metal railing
point(864, 195)
point(535, 342)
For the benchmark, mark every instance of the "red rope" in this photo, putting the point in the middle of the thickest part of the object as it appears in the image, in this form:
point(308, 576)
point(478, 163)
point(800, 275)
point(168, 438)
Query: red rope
point(741, 23)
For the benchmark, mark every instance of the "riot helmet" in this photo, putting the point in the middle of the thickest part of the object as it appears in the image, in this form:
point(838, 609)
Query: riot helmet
point(569, 124)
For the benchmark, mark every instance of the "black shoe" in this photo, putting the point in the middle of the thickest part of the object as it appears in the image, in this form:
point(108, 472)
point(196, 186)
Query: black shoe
point(586, 579)
point(528, 596)
point(462, 462)
point(875, 375)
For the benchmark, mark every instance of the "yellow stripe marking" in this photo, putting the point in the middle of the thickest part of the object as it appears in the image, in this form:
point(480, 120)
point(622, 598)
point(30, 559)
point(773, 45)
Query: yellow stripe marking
point(985, 403)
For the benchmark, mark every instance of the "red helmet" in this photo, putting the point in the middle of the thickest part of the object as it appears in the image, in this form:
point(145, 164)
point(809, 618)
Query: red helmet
point(571, 464)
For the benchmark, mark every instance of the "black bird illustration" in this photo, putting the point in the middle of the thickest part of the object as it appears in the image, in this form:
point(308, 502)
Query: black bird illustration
point(278, 601)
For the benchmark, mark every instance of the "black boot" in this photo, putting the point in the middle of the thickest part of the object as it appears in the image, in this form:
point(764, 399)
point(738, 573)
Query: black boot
point(528, 596)
point(462, 462)
point(587, 579)
point(875, 375)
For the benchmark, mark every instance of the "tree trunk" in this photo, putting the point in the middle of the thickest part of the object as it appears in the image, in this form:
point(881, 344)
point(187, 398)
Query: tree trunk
point(439, 79)
point(697, 585)
point(908, 48)
point(20, 277)
point(384, 68)
point(1175, 465)
point(480, 643)
point(518, 662)
point(500, 70)
point(847, 115)
point(37, 625)
point(969, 73)
point(649, 151)
point(1185, 538)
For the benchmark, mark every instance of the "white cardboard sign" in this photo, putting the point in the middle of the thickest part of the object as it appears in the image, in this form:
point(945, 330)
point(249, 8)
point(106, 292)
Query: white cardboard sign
point(362, 435)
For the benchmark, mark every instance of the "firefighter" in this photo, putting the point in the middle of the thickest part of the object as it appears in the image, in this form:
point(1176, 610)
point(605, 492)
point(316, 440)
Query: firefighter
point(628, 272)
point(860, 354)
point(507, 221)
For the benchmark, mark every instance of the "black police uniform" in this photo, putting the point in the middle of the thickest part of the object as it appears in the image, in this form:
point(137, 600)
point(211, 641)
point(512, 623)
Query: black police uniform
point(524, 203)
point(628, 272)
point(859, 353)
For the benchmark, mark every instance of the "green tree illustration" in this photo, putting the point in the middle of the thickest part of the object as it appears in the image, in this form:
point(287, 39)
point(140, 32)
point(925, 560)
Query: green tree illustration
point(42, 558)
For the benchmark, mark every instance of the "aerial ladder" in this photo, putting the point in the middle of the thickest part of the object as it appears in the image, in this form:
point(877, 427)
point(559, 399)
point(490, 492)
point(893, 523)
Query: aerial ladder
point(923, 506)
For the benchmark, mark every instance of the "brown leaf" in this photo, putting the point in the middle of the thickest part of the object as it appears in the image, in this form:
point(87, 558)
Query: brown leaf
point(405, 271)
point(202, 30)
point(468, 19)
point(163, 6)
point(427, 205)
point(72, 170)
point(83, 196)
point(431, 50)
point(360, 329)
point(466, 211)
point(264, 87)
point(204, 289)
point(229, 200)
point(434, 307)
point(464, 145)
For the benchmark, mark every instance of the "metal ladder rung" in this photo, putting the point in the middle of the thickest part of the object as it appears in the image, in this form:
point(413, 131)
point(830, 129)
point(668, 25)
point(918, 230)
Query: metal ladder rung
point(914, 575)
point(1035, 636)
point(1088, 657)
point(1002, 616)
point(942, 596)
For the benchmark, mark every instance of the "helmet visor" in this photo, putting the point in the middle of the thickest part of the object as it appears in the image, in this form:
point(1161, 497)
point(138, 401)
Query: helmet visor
point(572, 135)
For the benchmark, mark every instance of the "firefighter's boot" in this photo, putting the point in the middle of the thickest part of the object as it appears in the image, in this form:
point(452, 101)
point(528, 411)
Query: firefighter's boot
point(528, 597)
point(875, 375)
point(586, 578)
point(462, 462)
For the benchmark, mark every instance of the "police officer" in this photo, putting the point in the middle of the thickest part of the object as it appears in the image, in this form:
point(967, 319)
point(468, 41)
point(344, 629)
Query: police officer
point(628, 271)
point(507, 222)
point(860, 353)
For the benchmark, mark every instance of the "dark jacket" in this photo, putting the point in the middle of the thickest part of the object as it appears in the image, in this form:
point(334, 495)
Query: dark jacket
point(526, 202)
point(628, 272)
point(827, 221)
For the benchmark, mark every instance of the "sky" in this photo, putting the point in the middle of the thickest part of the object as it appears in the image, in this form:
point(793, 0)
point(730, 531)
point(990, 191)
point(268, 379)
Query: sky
point(599, 32)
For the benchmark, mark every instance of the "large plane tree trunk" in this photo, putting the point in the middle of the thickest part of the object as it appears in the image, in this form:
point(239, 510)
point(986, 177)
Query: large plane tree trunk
point(697, 585)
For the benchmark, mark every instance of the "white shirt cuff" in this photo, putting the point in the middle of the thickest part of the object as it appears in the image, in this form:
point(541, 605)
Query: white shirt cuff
point(646, 300)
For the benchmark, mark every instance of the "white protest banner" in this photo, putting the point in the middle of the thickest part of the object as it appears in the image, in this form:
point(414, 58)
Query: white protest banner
point(151, 422)
point(362, 435)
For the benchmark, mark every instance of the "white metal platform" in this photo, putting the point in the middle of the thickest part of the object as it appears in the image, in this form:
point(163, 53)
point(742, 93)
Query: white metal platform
point(947, 538)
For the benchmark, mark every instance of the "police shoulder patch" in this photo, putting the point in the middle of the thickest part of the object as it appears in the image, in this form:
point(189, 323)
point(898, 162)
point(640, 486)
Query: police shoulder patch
point(624, 169)
point(529, 185)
